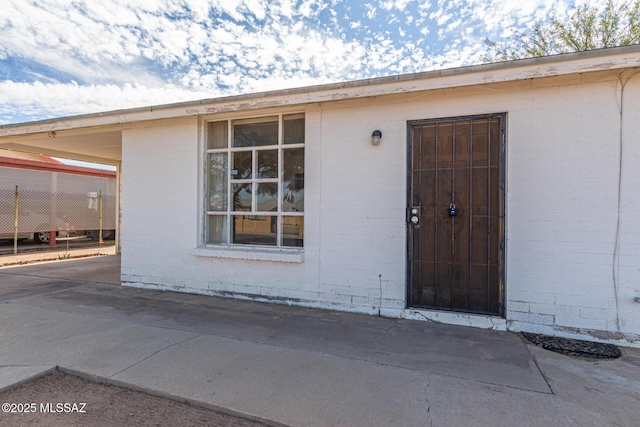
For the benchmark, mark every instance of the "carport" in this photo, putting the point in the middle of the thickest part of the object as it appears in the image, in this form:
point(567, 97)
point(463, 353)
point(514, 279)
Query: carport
point(75, 139)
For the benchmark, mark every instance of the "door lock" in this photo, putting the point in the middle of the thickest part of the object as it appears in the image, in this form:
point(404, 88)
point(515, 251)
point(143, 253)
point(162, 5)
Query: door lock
point(453, 210)
point(413, 215)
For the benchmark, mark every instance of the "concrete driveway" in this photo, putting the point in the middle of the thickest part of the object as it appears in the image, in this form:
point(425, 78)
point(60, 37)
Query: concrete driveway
point(297, 366)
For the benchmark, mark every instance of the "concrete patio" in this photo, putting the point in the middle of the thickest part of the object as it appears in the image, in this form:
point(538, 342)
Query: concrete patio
point(292, 365)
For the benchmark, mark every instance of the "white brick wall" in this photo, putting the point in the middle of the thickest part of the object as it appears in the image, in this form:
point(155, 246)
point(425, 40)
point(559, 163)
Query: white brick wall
point(628, 262)
point(562, 160)
point(562, 216)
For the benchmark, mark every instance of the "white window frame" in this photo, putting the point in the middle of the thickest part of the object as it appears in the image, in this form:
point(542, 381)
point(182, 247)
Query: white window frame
point(238, 250)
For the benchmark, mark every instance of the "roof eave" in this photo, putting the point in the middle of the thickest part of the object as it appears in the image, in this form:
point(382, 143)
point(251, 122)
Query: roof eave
point(556, 65)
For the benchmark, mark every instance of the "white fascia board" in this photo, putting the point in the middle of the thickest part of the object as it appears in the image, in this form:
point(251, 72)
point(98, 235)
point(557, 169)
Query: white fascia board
point(533, 68)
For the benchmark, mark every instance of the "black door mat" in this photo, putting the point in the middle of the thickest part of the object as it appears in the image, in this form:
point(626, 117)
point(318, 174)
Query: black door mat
point(576, 348)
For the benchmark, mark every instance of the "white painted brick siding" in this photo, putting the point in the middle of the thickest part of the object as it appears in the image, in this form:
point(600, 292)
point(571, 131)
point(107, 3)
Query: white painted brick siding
point(562, 180)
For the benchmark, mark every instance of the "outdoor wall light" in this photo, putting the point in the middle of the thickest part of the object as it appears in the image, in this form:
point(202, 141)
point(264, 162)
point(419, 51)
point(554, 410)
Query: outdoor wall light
point(375, 137)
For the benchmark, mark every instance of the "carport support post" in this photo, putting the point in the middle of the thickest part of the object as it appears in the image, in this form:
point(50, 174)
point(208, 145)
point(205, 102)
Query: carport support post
point(52, 219)
point(15, 226)
point(100, 238)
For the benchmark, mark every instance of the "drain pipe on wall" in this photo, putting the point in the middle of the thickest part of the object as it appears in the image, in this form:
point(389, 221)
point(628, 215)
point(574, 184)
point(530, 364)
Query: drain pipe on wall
point(380, 301)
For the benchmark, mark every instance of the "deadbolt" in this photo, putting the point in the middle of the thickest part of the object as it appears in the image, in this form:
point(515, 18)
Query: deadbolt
point(413, 214)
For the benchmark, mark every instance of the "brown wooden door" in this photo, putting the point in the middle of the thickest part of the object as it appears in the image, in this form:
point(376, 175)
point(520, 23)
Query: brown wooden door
point(456, 189)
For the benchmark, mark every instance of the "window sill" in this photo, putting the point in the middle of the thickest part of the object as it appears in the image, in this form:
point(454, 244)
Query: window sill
point(253, 253)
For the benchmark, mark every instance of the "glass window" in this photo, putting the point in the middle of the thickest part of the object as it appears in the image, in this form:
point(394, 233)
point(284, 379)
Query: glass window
point(242, 165)
point(292, 230)
point(293, 129)
point(255, 181)
point(217, 168)
point(217, 229)
point(254, 230)
point(255, 134)
point(268, 164)
point(267, 197)
point(217, 137)
point(293, 180)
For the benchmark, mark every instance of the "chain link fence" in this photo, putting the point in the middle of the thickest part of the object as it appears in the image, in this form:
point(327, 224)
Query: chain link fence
point(31, 218)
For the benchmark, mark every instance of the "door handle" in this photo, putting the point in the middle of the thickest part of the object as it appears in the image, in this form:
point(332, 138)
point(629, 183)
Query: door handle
point(413, 215)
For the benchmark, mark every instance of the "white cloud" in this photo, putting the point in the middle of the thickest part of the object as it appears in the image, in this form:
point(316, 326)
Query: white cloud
point(43, 100)
point(138, 52)
point(394, 4)
point(371, 11)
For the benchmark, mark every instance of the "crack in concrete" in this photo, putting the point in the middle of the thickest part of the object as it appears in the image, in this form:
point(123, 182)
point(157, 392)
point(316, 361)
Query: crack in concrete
point(544, 377)
point(428, 319)
point(154, 353)
point(426, 398)
point(490, 383)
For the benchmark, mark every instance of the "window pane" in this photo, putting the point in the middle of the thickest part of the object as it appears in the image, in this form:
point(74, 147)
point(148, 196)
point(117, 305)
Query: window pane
point(217, 135)
point(242, 197)
point(241, 165)
point(292, 231)
point(268, 164)
point(254, 230)
point(216, 229)
point(254, 184)
point(255, 134)
point(267, 197)
point(293, 180)
point(293, 129)
point(217, 184)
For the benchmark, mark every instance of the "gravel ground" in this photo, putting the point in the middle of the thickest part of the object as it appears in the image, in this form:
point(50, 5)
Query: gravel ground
point(104, 406)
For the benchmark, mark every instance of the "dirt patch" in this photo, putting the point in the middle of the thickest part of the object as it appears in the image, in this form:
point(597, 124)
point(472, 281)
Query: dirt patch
point(50, 400)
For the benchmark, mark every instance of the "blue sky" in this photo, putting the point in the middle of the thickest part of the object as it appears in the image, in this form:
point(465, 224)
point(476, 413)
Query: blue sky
point(67, 57)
